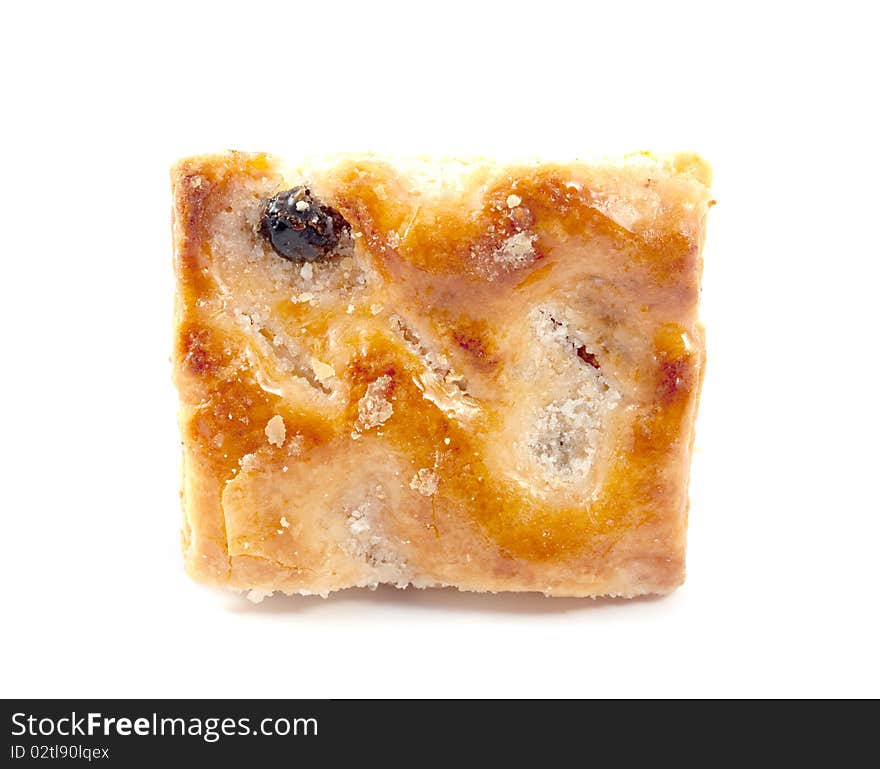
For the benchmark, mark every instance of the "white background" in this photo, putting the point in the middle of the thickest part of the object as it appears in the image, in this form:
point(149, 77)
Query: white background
point(98, 100)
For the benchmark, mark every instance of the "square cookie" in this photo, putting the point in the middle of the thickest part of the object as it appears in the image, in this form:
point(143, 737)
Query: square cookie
point(438, 373)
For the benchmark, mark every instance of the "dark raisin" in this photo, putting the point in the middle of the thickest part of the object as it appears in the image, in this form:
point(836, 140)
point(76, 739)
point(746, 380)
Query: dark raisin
point(587, 357)
point(299, 227)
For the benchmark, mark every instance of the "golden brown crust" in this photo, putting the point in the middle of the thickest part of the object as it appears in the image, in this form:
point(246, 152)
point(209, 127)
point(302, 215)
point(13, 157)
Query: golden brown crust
point(493, 385)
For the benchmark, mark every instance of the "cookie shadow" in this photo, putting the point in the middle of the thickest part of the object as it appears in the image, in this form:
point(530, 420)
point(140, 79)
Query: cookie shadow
point(443, 599)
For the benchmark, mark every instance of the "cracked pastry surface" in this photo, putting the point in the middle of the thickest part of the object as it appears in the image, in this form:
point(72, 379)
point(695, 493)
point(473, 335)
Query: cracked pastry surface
point(472, 375)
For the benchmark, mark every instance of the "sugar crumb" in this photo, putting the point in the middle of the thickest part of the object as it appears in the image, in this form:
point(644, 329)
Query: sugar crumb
point(296, 445)
point(323, 371)
point(513, 201)
point(374, 408)
point(276, 431)
point(284, 522)
point(248, 462)
point(425, 481)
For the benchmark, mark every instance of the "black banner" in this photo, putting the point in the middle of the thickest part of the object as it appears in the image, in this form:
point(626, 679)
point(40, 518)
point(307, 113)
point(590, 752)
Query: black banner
point(253, 733)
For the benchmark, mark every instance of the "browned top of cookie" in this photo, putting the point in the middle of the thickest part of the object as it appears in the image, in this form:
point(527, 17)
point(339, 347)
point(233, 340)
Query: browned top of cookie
point(470, 329)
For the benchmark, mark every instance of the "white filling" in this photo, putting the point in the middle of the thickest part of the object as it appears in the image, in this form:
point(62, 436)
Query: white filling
point(516, 251)
point(368, 543)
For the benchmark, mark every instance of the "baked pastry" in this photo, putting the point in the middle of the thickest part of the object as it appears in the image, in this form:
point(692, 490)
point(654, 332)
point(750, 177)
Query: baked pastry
point(438, 374)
